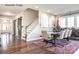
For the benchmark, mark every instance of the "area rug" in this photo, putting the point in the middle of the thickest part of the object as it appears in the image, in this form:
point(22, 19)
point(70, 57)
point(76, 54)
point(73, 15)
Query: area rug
point(69, 47)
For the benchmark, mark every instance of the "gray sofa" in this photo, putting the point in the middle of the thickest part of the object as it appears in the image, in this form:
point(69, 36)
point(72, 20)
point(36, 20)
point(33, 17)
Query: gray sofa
point(75, 34)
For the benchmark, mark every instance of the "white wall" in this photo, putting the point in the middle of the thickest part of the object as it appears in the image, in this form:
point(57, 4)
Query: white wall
point(28, 16)
point(35, 34)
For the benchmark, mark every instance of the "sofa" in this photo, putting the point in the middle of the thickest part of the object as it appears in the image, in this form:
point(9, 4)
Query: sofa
point(75, 34)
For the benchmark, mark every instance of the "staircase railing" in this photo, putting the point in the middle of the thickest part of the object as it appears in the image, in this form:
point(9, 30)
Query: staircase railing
point(30, 27)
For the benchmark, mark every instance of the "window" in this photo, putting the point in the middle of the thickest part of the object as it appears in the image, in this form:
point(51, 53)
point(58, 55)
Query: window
point(46, 20)
point(62, 22)
point(3, 26)
point(51, 20)
point(70, 22)
point(77, 21)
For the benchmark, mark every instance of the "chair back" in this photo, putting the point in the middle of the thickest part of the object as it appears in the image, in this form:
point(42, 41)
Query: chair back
point(45, 34)
point(66, 33)
point(62, 34)
point(70, 32)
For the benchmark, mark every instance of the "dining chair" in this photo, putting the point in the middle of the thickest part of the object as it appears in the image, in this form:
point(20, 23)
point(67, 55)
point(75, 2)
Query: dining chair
point(66, 33)
point(61, 41)
point(46, 38)
point(64, 37)
point(69, 34)
point(62, 34)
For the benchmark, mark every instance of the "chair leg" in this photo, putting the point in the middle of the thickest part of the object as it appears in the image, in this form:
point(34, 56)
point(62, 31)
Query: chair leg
point(48, 41)
point(67, 39)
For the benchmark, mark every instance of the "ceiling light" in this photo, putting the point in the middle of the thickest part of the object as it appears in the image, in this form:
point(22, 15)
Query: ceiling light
point(8, 13)
point(37, 7)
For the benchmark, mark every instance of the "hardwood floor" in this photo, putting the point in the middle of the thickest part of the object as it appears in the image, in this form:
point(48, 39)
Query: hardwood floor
point(22, 48)
point(12, 48)
point(31, 49)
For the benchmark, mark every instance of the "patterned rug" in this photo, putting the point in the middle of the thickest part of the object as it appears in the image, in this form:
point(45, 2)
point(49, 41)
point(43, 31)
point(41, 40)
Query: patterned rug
point(62, 46)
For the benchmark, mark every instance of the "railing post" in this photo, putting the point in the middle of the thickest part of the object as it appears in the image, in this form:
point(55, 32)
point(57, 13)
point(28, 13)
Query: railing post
point(26, 35)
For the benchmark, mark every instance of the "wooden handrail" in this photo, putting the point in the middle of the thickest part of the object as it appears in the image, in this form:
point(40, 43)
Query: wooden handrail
point(30, 23)
point(27, 27)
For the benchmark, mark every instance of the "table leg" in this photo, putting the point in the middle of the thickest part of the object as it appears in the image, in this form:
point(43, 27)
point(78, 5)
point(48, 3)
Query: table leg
point(54, 40)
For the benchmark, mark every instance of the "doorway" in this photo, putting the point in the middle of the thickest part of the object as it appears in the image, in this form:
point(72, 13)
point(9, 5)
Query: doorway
point(10, 35)
point(5, 32)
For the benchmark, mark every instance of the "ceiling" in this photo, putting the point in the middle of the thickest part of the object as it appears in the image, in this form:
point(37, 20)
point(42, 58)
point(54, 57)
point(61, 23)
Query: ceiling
point(55, 9)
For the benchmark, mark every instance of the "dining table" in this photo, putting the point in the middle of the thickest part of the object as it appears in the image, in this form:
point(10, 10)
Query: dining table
point(54, 36)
